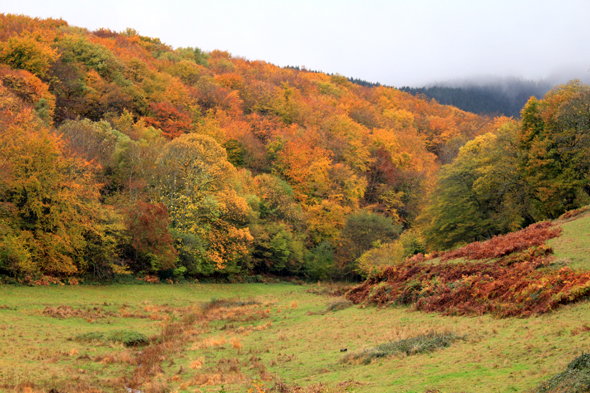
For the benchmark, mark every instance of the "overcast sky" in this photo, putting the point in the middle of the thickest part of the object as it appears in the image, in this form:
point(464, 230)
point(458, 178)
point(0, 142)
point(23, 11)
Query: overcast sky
point(395, 42)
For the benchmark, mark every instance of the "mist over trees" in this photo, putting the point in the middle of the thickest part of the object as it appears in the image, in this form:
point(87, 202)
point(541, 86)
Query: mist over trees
point(497, 96)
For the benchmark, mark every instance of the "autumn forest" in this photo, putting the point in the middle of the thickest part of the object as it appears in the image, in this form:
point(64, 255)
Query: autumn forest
point(121, 156)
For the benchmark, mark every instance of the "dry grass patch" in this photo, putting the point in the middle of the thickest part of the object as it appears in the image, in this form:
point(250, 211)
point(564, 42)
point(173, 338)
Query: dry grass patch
point(282, 387)
point(227, 371)
point(65, 311)
point(210, 342)
point(197, 364)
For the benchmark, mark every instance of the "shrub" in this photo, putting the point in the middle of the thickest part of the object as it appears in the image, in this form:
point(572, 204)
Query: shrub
point(499, 246)
point(413, 242)
point(573, 213)
point(410, 346)
point(574, 379)
point(339, 304)
point(319, 262)
point(125, 337)
point(514, 285)
point(361, 231)
point(381, 256)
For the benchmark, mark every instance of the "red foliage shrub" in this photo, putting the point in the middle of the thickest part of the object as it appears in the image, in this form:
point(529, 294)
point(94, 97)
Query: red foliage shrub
point(475, 288)
point(500, 246)
point(512, 286)
point(573, 213)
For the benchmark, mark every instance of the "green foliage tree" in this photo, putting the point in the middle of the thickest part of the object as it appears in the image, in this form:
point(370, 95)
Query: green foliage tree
point(480, 194)
point(94, 56)
point(278, 245)
point(555, 144)
point(193, 54)
point(207, 218)
point(360, 233)
point(319, 262)
point(277, 249)
point(235, 152)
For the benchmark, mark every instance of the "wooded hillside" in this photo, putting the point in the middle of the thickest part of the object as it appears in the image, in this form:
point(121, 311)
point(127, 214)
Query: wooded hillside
point(120, 154)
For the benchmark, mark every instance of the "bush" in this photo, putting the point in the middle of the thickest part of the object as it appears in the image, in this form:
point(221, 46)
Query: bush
point(413, 242)
point(126, 337)
point(410, 346)
point(574, 379)
point(499, 246)
point(319, 262)
point(339, 304)
point(361, 231)
point(383, 255)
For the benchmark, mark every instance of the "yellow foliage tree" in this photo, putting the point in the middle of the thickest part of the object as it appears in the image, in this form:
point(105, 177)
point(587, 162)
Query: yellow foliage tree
point(194, 182)
point(26, 52)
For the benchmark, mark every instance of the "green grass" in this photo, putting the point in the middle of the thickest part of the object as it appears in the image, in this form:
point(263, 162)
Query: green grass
point(300, 347)
point(572, 248)
point(203, 336)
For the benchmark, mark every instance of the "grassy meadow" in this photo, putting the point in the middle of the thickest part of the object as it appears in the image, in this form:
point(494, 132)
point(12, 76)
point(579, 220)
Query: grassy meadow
point(246, 337)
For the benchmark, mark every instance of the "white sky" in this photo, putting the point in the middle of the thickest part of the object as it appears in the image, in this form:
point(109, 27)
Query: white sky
point(395, 42)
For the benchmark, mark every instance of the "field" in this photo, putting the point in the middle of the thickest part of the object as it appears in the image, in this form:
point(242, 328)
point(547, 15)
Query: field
point(241, 337)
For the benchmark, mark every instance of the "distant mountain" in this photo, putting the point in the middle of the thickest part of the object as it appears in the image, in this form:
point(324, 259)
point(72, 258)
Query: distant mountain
point(498, 96)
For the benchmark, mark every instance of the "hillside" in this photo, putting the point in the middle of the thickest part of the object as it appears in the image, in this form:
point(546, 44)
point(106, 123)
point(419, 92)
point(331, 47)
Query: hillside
point(123, 155)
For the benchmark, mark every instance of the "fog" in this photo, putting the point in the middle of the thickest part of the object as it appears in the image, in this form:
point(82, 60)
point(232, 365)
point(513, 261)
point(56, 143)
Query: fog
point(396, 43)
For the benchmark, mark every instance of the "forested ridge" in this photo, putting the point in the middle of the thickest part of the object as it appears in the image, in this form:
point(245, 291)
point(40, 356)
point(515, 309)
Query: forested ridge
point(121, 155)
point(502, 96)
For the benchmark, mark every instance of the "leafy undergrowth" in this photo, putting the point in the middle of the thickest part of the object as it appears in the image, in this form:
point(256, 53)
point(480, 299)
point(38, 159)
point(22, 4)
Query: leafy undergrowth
point(512, 285)
point(333, 289)
point(574, 379)
point(573, 213)
point(338, 304)
point(423, 343)
point(65, 311)
point(499, 246)
point(125, 337)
